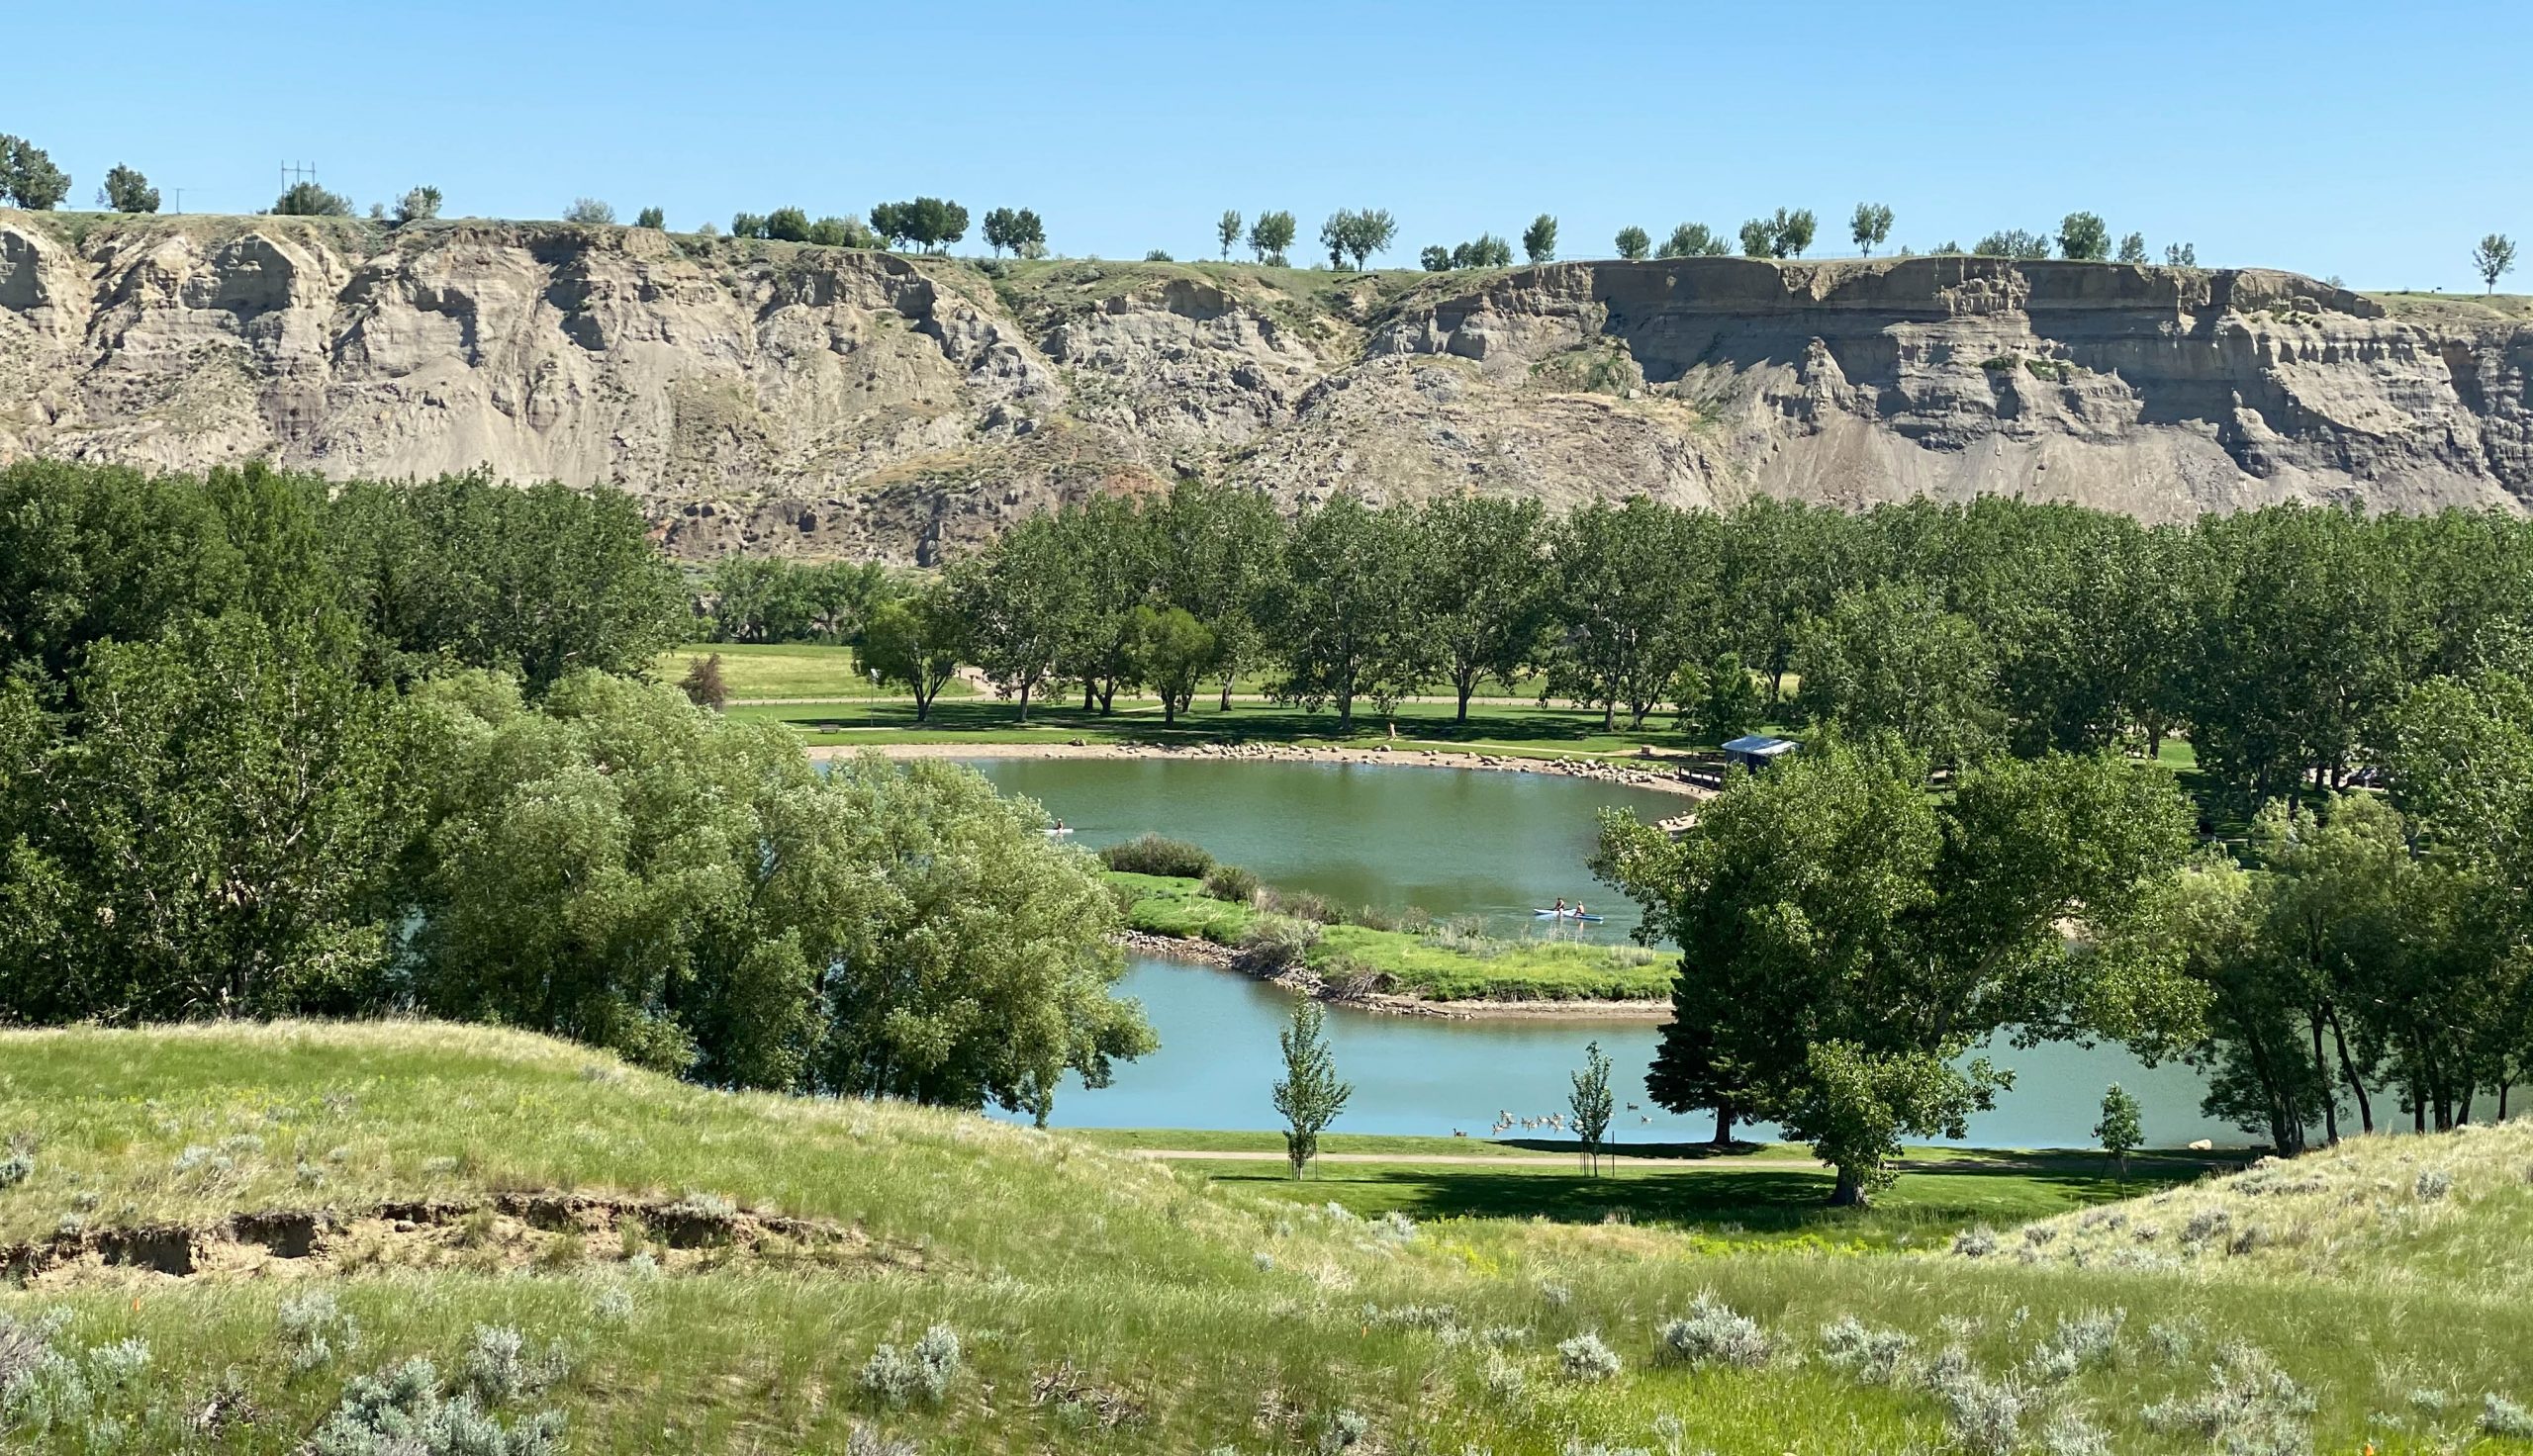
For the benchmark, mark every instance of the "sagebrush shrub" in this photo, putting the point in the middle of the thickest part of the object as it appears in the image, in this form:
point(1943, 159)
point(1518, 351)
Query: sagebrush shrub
point(868, 1440)
point(1713, 1334)
point(119, 1364)
point(2174, 1339)
point(2069, 1433)
point(314, 1329)
point(2432, 1184)
point(1586, 1358)
point(403, 1412)
point(896, 1377)
point(16, 1168)
point(501, 1368)
point(2251, 1407)
point(1975, 1244)
point(2501, 1417)
point(1868, 1355)
point(2083, 1340)
point(1156, 854)
point(1506, 1380)
point(1986, 1416)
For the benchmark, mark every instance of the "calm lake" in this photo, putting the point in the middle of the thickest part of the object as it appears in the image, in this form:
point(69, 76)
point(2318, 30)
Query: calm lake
point(1458, 844)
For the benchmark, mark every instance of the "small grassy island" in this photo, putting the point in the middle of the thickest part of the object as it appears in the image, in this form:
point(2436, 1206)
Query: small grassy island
point(1429, 962)
point(1221, 914)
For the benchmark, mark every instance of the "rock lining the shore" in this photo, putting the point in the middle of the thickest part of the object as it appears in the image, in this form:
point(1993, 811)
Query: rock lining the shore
point(1673, 781)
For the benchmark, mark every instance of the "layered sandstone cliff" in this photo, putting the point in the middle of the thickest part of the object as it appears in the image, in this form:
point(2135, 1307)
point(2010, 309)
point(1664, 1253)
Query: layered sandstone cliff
point(829, 401)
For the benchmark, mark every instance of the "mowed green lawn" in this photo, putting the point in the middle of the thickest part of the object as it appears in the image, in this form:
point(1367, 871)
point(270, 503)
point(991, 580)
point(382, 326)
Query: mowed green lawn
point(1765, 1193)
point(782, 670)
point(1545, 732)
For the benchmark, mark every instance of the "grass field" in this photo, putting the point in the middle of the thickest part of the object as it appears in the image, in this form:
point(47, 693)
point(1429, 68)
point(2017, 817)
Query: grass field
point(1437, 966)
point(784, 670)
point(1756, 1203)
point(1106, 1302)
point(2455, 308)
point(1548, 732)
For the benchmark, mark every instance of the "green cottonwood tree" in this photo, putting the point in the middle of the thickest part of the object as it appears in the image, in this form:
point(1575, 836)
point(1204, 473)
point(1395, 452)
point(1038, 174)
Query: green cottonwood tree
point(2083, 237)
point(1310, 1096)
point(29, 180)
point(1270, 235)
point(1482, 580)
point(1634, 243)
point(1227, 230)
point(1110, 542)
point(1870, 225)
point(208, 832)
point(307, 200)
point(1847, 936)
point(1889, 658)
point(1171, 651)
point(1538, 241)
point(1346, 622)
point(1629, 587)
point(917, 642)
point(1216, 551)
point(126, 191)
point(2493, 257)
point(1017, 603)
point(1694, 240)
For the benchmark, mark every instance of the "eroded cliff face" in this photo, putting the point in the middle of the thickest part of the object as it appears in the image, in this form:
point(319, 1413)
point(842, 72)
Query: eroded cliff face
point(829, 401)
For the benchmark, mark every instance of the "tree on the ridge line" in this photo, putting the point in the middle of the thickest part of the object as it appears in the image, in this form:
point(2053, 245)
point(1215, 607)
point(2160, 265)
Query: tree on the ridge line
point(1871, 225)
point(2493, 258)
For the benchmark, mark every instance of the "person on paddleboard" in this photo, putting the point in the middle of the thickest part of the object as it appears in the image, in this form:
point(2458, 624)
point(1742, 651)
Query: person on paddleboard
point(1560, 905)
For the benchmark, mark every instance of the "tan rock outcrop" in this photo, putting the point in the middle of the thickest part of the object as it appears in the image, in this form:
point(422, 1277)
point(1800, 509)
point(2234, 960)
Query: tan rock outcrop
point(830, 402)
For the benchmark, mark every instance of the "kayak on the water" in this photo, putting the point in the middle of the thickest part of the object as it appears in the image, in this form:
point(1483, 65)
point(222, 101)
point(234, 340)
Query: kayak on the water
point(1563, 915)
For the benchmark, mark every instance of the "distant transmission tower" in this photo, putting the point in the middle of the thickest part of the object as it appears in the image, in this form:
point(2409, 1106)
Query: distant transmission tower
point(294, 173)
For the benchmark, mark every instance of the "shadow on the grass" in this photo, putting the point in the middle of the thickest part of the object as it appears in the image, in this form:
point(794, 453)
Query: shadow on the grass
point(1246, 722)
point(1757, 1202)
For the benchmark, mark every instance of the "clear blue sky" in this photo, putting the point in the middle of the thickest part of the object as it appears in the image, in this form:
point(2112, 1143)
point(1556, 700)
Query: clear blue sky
point(2375, 141)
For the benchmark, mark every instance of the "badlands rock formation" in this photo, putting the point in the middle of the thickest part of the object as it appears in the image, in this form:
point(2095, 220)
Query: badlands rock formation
point(826, 401)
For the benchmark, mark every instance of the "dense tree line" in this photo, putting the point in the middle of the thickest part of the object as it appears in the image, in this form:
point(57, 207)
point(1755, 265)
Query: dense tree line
point(2276, 641)
point(270, 746)
point(760, 598)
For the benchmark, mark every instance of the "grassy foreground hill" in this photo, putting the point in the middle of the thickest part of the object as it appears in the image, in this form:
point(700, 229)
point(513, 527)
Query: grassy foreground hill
point(235, 1240)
